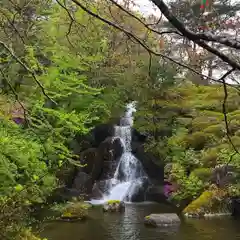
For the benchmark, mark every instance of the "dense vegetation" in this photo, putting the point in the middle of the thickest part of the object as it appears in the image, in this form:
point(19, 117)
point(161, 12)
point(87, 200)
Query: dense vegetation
point(62, 73)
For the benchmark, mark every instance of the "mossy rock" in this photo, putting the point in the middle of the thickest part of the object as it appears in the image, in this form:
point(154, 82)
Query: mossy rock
point(210, 201)
point(75, 211)
point(114, 206)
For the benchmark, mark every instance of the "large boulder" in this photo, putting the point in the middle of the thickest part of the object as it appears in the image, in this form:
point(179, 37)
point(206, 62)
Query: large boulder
point(236, 207)
point(101, 132)
point(163, 219)
point(83, 182)
point(155, 194)
point(154, 171)
point(210, 202)
point(92, 161)
point(110, 150)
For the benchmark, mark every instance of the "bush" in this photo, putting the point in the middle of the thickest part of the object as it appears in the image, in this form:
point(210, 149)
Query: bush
point(198, 140)
point(189, 188)
point(217, 130)
point(209, 157)
point(203, 174)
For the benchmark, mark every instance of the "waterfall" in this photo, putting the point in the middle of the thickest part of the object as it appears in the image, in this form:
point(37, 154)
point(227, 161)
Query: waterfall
point(129, 174)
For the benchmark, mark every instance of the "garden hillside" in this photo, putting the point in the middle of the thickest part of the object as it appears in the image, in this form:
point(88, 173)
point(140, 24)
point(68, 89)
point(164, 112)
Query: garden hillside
point(187, 129)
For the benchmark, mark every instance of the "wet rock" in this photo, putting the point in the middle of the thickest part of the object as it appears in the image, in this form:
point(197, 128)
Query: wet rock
point(159, 220)
point(83, 182)
point(93, 162)
point(235, 202)
point(155, 194)
point(98, 190)
point(154, 171)
point(110, 150)
point(114, 206)
point(101, 132)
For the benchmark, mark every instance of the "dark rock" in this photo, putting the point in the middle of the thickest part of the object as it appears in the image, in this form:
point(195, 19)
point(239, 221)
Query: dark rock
point(155, 194)
point(159, 220)
point(154, 171)
point(110, 150)
point(236, 207)
point(101, 132)
point(93, 161)
point(83, 182)
point(140, 193)
point(138, 137)
point(98, 189)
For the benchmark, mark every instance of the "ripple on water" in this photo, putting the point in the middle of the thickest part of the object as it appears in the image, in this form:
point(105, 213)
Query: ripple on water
point(129, 226)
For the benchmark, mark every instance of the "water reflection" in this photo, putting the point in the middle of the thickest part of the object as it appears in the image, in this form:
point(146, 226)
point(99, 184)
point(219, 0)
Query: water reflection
point(129, 226)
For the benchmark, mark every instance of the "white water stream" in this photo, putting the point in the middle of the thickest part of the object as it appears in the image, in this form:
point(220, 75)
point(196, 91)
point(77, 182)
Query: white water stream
point(129, 172)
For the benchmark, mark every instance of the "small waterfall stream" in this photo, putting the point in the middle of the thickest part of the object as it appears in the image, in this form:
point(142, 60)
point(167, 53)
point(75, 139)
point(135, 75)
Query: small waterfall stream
point(129, 174)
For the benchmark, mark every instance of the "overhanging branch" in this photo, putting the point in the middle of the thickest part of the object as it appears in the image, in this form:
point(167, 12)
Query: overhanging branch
point(132, 36)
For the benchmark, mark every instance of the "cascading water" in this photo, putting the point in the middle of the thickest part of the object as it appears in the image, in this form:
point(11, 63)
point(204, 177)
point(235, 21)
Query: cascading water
point(129, 174)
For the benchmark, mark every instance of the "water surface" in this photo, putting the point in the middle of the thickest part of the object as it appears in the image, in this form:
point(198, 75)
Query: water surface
point(129, 226)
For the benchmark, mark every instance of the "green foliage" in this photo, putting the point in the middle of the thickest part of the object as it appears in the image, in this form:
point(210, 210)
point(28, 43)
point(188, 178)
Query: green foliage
point(203, 174)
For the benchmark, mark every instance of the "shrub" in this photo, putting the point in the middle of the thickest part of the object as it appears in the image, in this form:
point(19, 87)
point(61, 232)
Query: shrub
point(217, 130)
point(198, 140)
point(189, 188)
point(203, 174)
point(209, 157)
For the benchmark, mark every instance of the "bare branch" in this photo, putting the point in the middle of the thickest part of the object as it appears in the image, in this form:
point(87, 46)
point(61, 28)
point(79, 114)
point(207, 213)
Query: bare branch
point(140, 42)
point(196, 37)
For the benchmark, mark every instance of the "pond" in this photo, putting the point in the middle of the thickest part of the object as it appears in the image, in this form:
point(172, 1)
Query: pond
point(129, 226)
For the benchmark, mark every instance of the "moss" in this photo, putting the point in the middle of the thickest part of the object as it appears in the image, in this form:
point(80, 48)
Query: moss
point(147, 217)
point(113, 201)
point(210, 201)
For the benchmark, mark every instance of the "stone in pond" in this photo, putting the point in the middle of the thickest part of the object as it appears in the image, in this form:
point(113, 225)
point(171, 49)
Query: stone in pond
point(114, 206)
point(163, 219)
